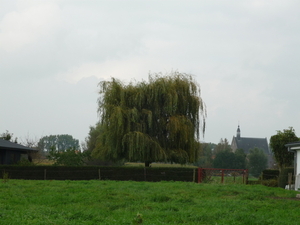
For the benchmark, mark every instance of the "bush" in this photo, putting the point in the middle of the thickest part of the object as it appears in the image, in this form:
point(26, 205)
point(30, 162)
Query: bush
point(69, 157)
point(253, 182)
point(270, 183)
point(25, 162)
point(269, 174)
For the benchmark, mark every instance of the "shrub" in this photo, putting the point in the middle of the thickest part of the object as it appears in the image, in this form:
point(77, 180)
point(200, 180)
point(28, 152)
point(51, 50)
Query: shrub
point(270, 183)
point(269, 174)
point(25, 162)
point(5, 177)
point(253, 182)
point(69, 157)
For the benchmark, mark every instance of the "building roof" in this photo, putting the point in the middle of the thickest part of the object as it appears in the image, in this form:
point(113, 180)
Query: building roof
point(13, 146)
point(293, 146)
point(246, 144)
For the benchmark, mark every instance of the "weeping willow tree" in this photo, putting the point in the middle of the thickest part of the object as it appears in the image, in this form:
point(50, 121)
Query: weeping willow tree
point(154, 121)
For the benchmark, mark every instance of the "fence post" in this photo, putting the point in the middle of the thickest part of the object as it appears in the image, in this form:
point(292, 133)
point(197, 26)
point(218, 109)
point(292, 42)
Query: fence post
point(199, 175)
point(222, 180)
point(194, 175)
point(99, 174)
point(290, 180)
point(245, 176)
point(45, 174)
point(145, 176)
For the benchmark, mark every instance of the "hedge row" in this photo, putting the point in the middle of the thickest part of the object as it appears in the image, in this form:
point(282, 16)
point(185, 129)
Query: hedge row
point(101, 173)
point(269, 174)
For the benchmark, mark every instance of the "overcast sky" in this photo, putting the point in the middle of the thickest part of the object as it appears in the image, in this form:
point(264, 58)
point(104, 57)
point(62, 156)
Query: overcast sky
point(244, 55)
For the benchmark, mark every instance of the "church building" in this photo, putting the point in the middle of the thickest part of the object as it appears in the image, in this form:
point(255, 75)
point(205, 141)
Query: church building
point(247, 143)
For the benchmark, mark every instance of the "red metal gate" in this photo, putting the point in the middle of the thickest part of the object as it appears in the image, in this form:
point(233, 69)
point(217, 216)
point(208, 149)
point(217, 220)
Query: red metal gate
point(232, 175)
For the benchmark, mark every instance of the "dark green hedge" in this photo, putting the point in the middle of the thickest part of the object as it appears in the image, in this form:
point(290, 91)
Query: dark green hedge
point(269, 174)
point(103, 173)
point(270, 182)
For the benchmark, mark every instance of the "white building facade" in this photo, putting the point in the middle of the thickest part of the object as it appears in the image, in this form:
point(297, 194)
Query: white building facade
point(295, 147)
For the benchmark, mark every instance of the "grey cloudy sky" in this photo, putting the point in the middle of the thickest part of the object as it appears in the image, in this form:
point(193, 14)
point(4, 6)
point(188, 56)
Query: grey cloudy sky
point(244, 55)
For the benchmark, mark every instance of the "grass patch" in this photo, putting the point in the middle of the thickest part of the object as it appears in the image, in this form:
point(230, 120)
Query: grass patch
point(126, 202)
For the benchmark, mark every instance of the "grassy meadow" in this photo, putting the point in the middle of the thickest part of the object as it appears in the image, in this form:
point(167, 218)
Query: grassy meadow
point(118, 202)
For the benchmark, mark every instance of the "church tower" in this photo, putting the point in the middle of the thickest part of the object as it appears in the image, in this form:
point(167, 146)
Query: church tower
point(238, 133)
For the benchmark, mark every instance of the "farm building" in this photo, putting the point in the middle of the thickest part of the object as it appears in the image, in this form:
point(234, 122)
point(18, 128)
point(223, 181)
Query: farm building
point(10, 153)
point(295, 147)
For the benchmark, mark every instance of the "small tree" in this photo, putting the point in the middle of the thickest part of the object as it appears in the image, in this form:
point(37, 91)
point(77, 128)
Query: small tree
point(240, 159)
point(257, 161)
point(283, 157)
point(223, 145)
point(230, 160)
point(205, 159)
point(69, 157)
point(35, 156)
point(91, 139)
point(225, 160)
point(8, 137)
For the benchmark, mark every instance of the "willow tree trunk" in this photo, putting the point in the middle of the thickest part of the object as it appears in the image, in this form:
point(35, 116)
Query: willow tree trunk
point(147, 164)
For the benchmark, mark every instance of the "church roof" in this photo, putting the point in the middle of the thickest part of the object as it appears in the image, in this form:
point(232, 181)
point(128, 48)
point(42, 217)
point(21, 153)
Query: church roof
point(13, 146)
point(246, 144)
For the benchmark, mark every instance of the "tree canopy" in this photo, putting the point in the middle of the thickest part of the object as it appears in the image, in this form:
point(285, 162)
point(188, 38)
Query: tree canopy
point(257, 161)
point(91, 140)
point(277, 144)
point(227, 159)
point(223, 145)
point(69, 157)
point(158, 120)
point(205, 158)
point(240, 159)
point(60, 142)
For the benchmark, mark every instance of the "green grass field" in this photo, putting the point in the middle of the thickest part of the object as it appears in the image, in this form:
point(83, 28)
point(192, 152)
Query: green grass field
point(115, 202)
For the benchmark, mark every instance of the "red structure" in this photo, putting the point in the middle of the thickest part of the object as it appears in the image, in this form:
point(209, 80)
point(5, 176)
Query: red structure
point(205, 174)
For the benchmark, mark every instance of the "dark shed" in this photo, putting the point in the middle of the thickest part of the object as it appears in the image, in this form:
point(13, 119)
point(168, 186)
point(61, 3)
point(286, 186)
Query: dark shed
point(10, 153)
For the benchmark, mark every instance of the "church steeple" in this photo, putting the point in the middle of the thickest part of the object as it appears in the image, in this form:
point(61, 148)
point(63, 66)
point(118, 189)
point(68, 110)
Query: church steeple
point(238, 133)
